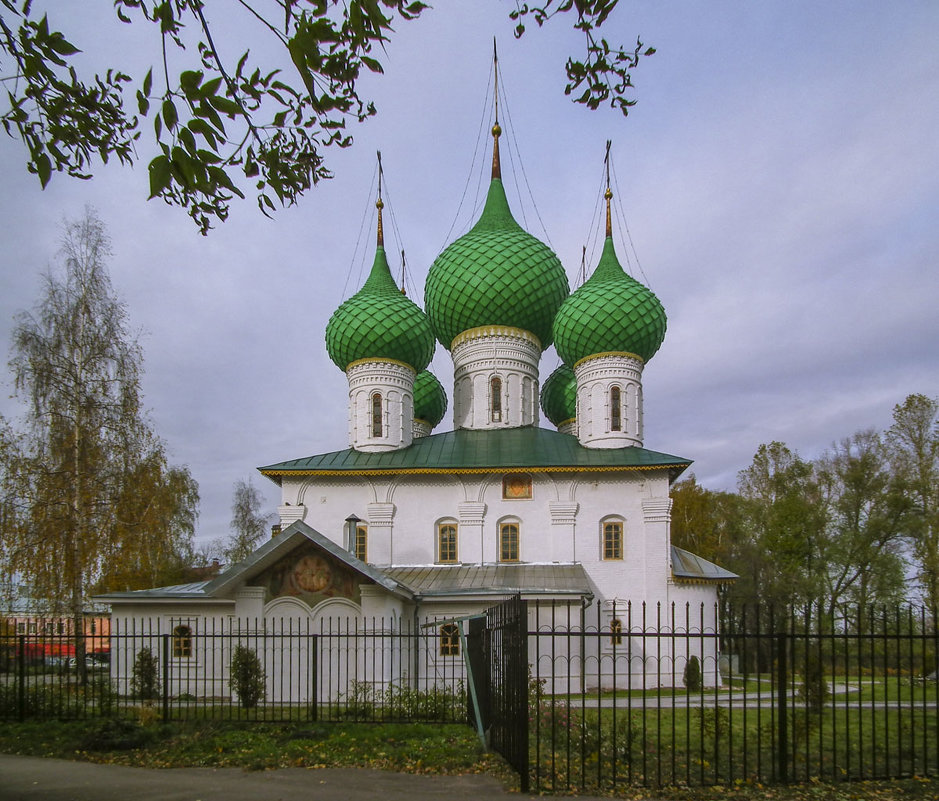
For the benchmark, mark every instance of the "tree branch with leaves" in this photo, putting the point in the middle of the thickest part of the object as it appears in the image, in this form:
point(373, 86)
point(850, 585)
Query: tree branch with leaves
point(227, 125)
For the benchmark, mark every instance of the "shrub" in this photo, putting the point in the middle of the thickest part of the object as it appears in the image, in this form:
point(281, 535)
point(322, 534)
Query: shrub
point(360, 703)
point(814, 691)
point(247, 677)
point(692, 674)
point(41, 701)
point(144, 682)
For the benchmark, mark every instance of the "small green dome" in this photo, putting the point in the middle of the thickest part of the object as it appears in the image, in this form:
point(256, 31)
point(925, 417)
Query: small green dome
point(611, 312)
point(559, 395)
point(497, 274)
point(379, 322)
point(430, 400)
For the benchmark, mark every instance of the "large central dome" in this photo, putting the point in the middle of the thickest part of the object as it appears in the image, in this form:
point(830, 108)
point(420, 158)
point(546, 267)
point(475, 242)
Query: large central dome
point(497, 274)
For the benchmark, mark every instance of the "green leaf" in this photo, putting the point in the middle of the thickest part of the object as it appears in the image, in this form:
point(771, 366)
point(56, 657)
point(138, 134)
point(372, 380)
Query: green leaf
point(202, 127)
point(210, 87)
point(169, 113)
point(60, 45)
point(372, 64)
point(43, 168)
point(208, 156)
point(160, 176)
point(148, 82)
point(205, 110)
point(223, 104)
point(143, 105)
point(188, 140)
point(189, 82)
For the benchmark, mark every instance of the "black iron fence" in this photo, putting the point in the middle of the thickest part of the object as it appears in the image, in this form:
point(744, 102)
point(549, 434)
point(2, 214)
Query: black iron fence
point(636, 694)
point(278, 670)
point(612, 694)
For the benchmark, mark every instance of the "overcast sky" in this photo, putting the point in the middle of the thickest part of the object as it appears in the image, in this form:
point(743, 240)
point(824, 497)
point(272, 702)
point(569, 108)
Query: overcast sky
point(779, 178)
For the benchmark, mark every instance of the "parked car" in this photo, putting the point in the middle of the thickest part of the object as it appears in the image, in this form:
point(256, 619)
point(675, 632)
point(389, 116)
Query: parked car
point(92, 662)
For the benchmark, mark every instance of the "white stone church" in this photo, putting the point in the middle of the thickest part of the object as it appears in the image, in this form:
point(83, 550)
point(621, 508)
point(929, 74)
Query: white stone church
point(406, 527)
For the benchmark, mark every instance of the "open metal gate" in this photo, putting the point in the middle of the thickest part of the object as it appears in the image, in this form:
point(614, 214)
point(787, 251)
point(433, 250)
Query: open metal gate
point(498, 653)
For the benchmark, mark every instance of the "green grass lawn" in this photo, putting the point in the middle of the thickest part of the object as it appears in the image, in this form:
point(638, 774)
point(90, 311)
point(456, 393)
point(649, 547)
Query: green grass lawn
point(416, 748)
point(596, 749)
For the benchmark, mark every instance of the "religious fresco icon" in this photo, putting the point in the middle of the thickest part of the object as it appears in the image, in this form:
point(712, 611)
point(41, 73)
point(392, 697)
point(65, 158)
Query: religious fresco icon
point(313, 576)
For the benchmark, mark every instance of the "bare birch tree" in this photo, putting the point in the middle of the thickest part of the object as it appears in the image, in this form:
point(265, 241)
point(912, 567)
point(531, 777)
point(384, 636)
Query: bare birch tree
point(86, 484)
point(249, 525)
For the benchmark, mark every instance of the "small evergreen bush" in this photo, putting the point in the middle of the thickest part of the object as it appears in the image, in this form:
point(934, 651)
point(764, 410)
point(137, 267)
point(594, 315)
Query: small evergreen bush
point(247, 677)
point(692, 674)
point(144, 682)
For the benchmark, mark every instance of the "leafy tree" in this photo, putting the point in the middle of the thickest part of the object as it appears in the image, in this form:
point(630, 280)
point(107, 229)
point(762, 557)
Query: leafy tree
point(706, 522)
point(866, 514)
point(86, 487)
point(785, 517)
point(913, 444)
point(249, 524)
point(150, 543)
point(222, 122)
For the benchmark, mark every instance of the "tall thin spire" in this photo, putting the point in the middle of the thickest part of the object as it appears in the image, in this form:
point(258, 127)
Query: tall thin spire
point(496, 128)
point(380, 204)
point(608, 194)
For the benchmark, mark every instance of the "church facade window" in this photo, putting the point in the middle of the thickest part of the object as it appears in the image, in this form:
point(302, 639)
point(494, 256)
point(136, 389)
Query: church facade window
point(495, 399)
point(449, 639)
point(361, 542)
point(446, 543)
point(508, 542)
point(616, 409)
point(182, 642)
point(612, 539)
point(377, 415)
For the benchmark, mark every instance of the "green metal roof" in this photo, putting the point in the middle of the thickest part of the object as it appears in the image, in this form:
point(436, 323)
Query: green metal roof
point(612, 312)
point(501, 579)
point(497, 274)
point(380, 322)
point(527, 449)
point(691, 567)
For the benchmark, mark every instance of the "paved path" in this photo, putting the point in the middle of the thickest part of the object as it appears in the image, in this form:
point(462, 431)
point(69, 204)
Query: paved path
point(36, 779)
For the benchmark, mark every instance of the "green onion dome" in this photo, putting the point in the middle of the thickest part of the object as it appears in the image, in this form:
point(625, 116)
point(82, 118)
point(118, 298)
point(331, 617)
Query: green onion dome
point(611, 313)
point(430, 400)
point(497, 274)
point(380, 322)
point(559, 396)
